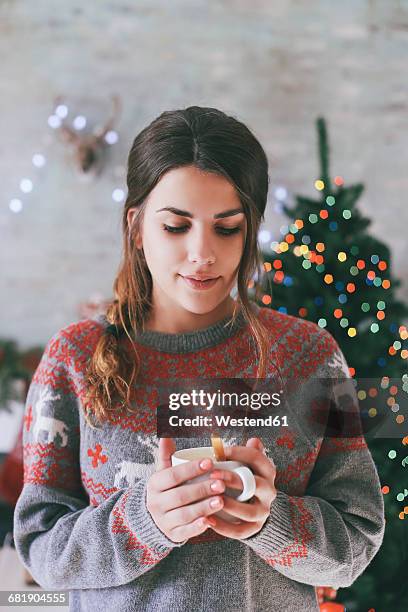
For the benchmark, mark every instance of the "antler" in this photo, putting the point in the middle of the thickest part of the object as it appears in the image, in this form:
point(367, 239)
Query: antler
point(89, 145)
point(68, 133)
point(117, 107)
point(146, 441)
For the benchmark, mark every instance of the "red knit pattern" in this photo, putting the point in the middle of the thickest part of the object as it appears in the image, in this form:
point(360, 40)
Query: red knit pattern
point(342, 445)
point(97, 455)
point(287, 440)
point(97, 488)
point(58, 471)
point(28, 418)
point(299, 517)
point(120, 525)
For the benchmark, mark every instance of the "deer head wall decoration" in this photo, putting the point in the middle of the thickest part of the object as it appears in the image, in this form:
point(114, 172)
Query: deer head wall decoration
point(89, 147)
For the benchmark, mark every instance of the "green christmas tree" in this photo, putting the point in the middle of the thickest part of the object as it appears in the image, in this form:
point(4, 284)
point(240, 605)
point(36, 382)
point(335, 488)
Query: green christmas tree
point(327, 268)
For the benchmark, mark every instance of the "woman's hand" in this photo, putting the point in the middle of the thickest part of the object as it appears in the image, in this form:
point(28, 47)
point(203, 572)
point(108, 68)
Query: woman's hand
point(252, 514)
point(181, 511)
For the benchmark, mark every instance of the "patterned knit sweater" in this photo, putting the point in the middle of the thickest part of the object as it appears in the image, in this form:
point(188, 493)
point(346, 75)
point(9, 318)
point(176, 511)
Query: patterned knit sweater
point(81, 522)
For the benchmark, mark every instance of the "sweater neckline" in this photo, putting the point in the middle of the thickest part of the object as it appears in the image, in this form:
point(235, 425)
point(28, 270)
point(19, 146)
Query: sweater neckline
point(186, 342)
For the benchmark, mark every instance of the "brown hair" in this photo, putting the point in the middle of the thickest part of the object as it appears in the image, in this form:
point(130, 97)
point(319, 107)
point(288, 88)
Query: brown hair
point(211, 141)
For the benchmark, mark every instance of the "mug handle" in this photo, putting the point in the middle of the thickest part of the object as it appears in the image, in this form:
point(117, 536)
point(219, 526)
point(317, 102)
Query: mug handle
point(248, 481)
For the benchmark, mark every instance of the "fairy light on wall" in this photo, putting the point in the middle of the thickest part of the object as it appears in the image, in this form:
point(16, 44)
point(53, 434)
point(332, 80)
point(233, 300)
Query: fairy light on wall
point(279, 198)
point(281, 193)
point(118, 195)
point(26, 185)
point(79, 122)
point(54, 122)
point(38, 160)
point(15, 205)
point(61, 111)
point(111, 137)
point(264, 236)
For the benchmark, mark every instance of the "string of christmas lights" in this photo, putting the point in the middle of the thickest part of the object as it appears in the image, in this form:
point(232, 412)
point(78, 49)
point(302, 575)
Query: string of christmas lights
point(39, 159)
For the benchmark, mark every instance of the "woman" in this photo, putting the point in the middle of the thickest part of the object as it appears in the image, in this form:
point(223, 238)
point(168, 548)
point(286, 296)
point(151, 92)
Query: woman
point(102, 513)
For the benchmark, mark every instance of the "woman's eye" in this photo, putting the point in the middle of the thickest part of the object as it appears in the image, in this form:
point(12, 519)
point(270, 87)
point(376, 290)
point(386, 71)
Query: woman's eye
point(227, 231)
point(174, 230)
point(224, 231)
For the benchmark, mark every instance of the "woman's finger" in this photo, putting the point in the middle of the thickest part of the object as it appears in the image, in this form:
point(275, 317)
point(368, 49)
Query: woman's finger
point(185, 532)
point(235, 531)
point(231, 479)
point(253, 458)
point(167, 447)
point(246, 512)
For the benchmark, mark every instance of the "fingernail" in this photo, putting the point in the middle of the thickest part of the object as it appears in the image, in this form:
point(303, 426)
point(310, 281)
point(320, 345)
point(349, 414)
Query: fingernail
point(215, 485)
point(205, 464)
point(215, 502)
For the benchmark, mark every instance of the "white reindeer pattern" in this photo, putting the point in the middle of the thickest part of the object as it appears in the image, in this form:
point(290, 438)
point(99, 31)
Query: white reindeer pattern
point(338, 361)
point(131, 471)
point(52, 426)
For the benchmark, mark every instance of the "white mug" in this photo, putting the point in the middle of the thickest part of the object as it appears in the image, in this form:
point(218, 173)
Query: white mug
point(247, 477)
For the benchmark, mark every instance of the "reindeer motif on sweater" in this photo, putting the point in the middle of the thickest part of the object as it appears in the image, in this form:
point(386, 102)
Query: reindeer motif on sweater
point(53, 427)
point(131, 471)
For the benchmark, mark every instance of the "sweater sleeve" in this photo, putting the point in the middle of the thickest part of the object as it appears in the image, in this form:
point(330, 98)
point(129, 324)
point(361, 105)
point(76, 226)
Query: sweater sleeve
point(329, 535)
point(63, 541)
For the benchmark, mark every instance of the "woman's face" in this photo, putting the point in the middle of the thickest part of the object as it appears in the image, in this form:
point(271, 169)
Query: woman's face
point(193, 226)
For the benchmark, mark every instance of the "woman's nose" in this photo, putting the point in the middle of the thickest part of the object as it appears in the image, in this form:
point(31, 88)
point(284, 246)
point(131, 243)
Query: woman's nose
point(200, 249)
point(202, 260)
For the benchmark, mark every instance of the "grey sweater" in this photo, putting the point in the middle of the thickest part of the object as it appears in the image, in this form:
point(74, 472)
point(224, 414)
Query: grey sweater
point(81, 522)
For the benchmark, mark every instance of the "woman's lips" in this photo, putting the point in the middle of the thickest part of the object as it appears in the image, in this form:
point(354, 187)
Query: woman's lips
point(197, 284)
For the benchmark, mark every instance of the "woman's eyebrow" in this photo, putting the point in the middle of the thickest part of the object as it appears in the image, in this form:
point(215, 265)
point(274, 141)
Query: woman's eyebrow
point(185, 213)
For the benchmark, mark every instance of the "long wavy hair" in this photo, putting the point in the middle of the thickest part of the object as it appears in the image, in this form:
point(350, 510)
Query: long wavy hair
point(213, 142)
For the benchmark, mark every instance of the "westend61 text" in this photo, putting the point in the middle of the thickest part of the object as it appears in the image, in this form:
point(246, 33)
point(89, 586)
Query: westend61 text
point(227, 421)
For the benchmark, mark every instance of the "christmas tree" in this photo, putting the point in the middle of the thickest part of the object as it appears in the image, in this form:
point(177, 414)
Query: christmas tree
point(327, 268)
